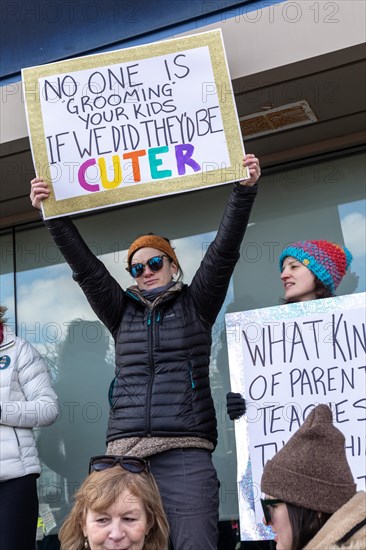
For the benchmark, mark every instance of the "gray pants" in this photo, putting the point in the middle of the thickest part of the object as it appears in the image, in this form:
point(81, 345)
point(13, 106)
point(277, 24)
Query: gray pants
point(189, 489)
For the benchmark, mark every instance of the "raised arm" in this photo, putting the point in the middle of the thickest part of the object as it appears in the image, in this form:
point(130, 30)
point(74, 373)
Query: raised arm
point(102, 291)
point(210, 283)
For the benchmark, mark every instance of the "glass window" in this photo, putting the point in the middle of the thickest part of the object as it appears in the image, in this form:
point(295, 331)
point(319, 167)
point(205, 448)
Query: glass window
point(353, 222)
point(322, 200)
point(7, 291)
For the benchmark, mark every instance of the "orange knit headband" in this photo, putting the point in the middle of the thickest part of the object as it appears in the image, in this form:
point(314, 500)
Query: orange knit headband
point(152, 241)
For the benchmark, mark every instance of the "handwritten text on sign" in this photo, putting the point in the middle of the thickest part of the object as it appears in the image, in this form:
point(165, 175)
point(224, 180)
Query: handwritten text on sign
point(131, 123)
point(300, 363)
point(287, 359)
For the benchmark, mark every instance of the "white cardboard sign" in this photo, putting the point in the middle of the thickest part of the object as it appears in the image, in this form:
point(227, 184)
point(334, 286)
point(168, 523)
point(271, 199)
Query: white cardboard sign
point(133, 124)
point(285, 360)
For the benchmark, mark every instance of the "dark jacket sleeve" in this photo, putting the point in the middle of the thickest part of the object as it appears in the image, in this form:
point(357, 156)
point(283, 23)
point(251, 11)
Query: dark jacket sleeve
point(210, 283)
point(102, 291)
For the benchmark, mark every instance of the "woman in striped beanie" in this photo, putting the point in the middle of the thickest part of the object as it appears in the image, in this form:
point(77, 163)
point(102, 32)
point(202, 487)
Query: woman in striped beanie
point(312, 269)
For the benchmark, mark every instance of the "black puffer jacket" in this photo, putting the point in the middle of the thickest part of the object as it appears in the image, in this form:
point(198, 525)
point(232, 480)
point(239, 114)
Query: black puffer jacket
point(162, 385)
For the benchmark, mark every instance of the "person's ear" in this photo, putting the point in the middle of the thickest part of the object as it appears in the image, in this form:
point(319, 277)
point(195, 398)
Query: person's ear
point(83, 527)
point(149, 525)
point(174, 269)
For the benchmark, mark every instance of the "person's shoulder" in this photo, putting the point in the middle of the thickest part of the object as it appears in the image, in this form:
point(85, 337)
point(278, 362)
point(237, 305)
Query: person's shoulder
point(26, 351)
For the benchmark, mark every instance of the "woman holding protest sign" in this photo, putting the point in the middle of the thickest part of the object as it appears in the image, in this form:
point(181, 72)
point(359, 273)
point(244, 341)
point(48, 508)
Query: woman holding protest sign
point(161, 403)
point(310, 270)
point(310, 495)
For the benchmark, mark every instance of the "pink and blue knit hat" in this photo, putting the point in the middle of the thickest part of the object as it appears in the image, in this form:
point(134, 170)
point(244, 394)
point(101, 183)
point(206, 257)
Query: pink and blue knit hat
point(327, 261)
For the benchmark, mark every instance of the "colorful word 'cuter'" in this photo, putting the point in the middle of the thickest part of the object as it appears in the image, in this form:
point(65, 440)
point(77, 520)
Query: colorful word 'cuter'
point(183, 157)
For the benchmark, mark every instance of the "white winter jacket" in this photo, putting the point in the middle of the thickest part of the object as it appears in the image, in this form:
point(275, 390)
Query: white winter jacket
point(27, 400)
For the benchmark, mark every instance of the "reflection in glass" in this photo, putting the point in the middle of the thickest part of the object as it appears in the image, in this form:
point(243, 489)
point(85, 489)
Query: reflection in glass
point(82, 370)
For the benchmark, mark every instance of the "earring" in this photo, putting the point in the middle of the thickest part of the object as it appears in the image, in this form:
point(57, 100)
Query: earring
point(86, 543)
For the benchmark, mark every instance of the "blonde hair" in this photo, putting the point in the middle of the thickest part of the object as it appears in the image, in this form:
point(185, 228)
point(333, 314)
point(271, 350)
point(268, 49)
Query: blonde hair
point(100, 490)
point(2, 313)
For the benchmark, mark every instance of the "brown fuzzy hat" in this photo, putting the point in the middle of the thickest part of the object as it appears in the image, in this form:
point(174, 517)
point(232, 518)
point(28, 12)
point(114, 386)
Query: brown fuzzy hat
point(152, 241)
point(311, 470)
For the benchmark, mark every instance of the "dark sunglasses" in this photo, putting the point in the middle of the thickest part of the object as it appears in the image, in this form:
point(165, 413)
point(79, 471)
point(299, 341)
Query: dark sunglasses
point(155, 264)
point(132, 464)
point(266, 504)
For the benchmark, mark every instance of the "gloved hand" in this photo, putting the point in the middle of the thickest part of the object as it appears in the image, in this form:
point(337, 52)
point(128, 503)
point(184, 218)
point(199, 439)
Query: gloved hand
point(235, 405)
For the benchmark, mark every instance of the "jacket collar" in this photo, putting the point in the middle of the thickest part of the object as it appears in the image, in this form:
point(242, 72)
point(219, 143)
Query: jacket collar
point(136, 293)
point(342, 523)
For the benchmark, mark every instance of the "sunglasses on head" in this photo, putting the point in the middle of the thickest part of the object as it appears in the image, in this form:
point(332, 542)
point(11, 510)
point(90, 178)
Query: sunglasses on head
point(132, 464)
point(266, 506)
point(154, 264)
